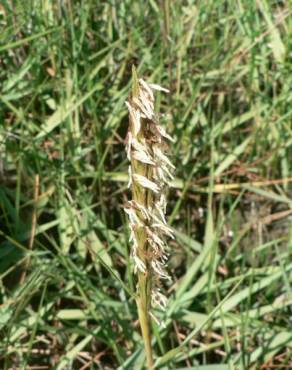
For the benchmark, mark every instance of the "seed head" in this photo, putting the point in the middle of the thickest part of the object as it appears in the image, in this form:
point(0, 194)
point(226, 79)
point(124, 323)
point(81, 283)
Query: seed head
point(150, 172)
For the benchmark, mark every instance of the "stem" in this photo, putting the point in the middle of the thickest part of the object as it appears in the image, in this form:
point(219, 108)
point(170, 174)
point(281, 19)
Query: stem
point(144, 318)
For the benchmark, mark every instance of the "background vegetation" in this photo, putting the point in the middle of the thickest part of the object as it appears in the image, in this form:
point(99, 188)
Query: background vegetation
point(65, 274)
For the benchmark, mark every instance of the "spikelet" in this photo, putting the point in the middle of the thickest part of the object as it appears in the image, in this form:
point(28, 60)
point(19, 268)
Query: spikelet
point(150, 172)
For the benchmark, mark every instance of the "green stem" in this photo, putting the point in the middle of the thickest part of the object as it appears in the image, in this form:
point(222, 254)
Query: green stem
point(144, 318)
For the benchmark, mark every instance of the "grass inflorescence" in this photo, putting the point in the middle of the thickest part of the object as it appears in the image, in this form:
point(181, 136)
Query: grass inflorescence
point(149, 176)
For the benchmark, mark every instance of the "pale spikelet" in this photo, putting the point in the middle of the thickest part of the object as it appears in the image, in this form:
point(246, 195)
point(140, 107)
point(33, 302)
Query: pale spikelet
point(150, 173)
point(135, 116)
point(142, 157)
point(157, 243)
point(130, 176)
point(162, 157)
point(145, 183)
point(147, 89)
point(145, 108)
point(167, 171)
point(158, 298)
point(139, 264)
point(140, 147)
point(140, 208)
point(161, 203)
point(158, 87)
point(163, 228)
point(134, 219)
point(158, 268)
point(163, 133)
point(160, 211)
point(129, 141)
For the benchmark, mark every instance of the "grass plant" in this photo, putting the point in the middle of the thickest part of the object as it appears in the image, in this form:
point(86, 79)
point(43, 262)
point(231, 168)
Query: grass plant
point(149, 176)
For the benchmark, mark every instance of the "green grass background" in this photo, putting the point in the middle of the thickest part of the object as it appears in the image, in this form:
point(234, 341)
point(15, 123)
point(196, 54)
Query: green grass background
point(66, 280)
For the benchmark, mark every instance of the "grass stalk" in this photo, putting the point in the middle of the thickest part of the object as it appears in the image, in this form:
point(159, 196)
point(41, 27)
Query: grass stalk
point(143, 305)
point(143, 299)
point(149, 174)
